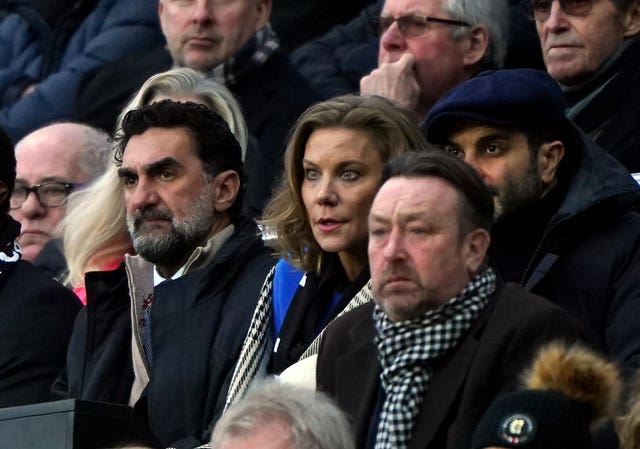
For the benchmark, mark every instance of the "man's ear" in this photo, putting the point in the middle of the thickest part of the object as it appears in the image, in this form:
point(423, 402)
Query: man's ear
point(264, 11)
point(478, 45)
point(631, 19)
point(549, 157)
point(476, 244)
point(226, 185)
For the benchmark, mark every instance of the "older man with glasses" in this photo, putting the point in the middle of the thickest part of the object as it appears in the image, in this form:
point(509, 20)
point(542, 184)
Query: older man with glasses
point(429, 46)
point(592, 48)
point(51, 163)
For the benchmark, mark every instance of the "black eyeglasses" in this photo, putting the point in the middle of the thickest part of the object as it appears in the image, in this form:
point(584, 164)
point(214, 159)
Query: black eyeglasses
point(410, 26)
point(49, 194)
point(540, 10)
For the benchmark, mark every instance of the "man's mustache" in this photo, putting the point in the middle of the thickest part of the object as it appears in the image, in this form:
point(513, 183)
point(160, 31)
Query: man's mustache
point(151, 213)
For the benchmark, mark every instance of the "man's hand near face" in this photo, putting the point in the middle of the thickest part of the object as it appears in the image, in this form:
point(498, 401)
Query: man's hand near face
point(395, 81)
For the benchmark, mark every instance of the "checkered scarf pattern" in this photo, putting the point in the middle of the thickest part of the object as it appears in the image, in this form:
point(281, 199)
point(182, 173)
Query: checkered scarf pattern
point(253, 352)
point(254, 346)
point(405, 350)
point(252, 55)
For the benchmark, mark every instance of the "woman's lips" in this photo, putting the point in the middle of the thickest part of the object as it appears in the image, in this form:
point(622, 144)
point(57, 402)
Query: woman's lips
point(328, 225)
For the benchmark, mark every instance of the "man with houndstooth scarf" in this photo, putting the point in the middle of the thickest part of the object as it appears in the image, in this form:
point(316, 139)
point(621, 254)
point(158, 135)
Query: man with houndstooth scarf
point(444, 335)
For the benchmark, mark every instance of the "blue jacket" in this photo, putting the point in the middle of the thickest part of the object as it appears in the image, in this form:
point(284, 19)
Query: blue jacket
point(55, 58)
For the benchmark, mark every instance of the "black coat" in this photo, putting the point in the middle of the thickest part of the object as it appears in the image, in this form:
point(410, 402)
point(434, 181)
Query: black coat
point(198, 325)
point(36, 320)
point(612, 116)
point(486, 362)
point(588, 258)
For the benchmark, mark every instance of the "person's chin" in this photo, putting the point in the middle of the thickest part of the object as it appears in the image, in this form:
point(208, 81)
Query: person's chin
point(30, 252)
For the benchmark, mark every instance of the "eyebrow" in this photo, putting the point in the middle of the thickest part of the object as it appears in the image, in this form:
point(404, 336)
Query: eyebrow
point(486, 139)
point(340, 164)
point(151, 168)
point(404, 218)
point(43, 180)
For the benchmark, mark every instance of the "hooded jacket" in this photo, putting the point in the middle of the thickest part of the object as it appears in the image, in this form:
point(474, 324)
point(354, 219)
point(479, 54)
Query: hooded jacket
point(588, 258)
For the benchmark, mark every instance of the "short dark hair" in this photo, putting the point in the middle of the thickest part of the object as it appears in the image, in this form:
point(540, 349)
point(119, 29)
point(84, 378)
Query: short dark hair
point(216, 145)
point(7, 167)
point(476, 201)
point(621, 5)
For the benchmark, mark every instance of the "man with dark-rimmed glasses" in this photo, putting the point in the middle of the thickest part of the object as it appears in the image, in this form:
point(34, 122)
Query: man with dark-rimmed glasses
point(429, 46)
point(52, 162)
point(592, 48)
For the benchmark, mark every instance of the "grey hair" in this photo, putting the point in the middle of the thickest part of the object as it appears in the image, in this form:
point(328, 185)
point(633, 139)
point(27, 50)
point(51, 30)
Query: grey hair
point(96, 152)
point(494, 15)
point(184, 81)
point(315, 422)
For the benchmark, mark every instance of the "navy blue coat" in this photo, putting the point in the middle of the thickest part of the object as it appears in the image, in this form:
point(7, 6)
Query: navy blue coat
point(198, 325)
point(32, 52)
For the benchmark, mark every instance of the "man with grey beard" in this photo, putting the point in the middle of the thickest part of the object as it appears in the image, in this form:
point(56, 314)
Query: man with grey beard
point(170, 320)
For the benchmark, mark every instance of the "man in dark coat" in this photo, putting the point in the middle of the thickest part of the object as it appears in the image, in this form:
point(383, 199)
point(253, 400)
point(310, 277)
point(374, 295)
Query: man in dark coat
point(36, 313)
point(163, 331)
point(234, 44)
point(592, 48)
point(567, 226)
point(447, 335)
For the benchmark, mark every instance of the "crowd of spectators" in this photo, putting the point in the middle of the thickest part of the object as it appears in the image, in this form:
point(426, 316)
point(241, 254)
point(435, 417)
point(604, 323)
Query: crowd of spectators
point(369, 224)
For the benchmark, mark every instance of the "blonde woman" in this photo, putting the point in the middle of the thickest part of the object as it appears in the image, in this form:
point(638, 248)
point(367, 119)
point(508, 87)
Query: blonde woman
point(318, 216)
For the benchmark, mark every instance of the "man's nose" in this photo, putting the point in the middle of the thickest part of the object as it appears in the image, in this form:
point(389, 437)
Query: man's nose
point(140, 196)
point(202, 11)
point(557, 20)
point(395, 247)
point(32, 207)
point(393, 39)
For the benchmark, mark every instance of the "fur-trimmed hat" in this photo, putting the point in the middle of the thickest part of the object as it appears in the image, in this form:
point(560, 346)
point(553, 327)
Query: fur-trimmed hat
point(568, 388)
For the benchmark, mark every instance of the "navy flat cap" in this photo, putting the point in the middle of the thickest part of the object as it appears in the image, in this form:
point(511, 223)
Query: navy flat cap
point(503, 98)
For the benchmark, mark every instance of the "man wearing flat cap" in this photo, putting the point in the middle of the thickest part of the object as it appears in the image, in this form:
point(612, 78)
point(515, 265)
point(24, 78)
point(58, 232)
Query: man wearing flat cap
point(567, 223)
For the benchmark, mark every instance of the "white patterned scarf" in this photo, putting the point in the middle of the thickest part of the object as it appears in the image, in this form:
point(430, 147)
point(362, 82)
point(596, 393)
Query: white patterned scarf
point(406, 349)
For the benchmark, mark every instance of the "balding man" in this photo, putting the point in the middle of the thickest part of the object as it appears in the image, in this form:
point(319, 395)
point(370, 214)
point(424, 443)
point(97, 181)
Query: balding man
point(51, 163)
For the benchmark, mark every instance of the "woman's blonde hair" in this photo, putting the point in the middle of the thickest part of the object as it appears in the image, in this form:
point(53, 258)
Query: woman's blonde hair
point(94, 228)
point(392, 131)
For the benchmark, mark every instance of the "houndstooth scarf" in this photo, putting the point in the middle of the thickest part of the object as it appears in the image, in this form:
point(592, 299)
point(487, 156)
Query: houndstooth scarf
point(406, 348)
point(252, 55)
point(254, 353)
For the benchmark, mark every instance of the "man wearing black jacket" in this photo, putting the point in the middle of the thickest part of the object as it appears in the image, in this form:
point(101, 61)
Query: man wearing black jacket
point(592, 48)
point(36, 313)
point(567, 223)
point(163, 331)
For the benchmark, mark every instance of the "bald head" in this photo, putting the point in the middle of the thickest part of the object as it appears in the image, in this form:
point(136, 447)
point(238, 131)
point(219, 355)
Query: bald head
point(68, 153)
